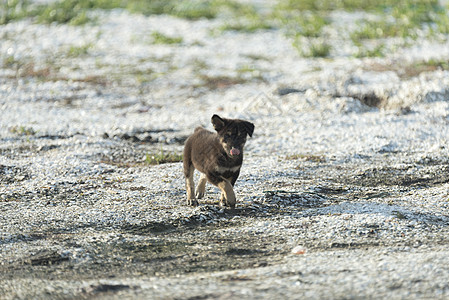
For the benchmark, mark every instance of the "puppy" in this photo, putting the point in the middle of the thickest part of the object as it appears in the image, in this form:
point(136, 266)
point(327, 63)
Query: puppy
point(218, 156)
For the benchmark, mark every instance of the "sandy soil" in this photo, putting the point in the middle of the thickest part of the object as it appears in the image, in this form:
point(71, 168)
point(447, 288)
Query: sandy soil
point(343, 193)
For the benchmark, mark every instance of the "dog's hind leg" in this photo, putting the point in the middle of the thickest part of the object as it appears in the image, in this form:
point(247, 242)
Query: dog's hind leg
point(201, 187)
point(190, 187)
point(189, 169)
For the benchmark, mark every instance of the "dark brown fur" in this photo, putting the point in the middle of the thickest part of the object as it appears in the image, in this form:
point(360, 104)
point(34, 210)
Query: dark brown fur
point(218, 156)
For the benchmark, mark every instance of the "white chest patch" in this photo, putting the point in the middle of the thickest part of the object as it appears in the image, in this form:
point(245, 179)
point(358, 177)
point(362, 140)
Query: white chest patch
point(222, 170)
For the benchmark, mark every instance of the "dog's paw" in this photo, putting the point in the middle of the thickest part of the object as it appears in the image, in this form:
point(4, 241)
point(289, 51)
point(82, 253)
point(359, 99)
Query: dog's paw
point(223, 202)
point(231, 202)
point(199, 194)
point(192, 202)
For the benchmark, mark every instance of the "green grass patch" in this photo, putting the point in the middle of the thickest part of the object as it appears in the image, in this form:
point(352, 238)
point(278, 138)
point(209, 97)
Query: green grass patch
point(249, 72)
point(10, 61)
point(404, 19)
point(364, 51)
point(22, 130)
point(75, 51)
point(258, 57)
point(191, 10)
point(351, 5)
point(12, 10)
point(187, 9)
point(397, 18)
point(245, 18)
point(413, 70)
point(442, 22)
point(160, 38)
point(162, 158)
point(381, 29)
point(435, 63)
point(312, 47)
point(75, 12)
point(308, 24)
point(247, 25)
point(306, 157)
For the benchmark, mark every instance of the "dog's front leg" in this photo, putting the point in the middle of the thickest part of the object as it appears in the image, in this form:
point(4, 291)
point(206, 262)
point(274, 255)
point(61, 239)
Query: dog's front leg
point(227, 193)
point(232, 181)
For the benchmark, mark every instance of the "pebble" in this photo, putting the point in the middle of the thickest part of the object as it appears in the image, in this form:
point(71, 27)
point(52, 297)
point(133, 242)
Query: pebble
point(299, 250)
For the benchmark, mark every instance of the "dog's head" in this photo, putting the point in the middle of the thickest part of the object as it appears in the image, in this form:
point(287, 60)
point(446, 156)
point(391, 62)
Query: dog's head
point(232, 134)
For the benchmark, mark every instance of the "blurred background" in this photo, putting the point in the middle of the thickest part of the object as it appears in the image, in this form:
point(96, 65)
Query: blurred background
point(314, 29)
point(242, 57)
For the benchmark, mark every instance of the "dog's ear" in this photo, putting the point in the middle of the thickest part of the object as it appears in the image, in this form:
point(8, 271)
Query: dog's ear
point(249, 127)
point(218, 122)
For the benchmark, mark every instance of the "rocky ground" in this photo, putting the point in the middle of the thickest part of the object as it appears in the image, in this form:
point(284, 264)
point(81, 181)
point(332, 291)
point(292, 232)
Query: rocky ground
point(344, 191)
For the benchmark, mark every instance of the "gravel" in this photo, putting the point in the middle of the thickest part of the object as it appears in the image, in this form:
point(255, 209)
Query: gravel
point(343, 193)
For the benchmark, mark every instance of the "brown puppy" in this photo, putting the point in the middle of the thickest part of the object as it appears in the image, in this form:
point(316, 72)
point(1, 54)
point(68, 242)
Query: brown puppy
point(218, 156)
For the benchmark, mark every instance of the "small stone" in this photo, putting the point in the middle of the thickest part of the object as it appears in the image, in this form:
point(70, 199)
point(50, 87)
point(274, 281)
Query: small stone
point(286, 91)
point(298, 250)
point(125, 136)
point(147, 139)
